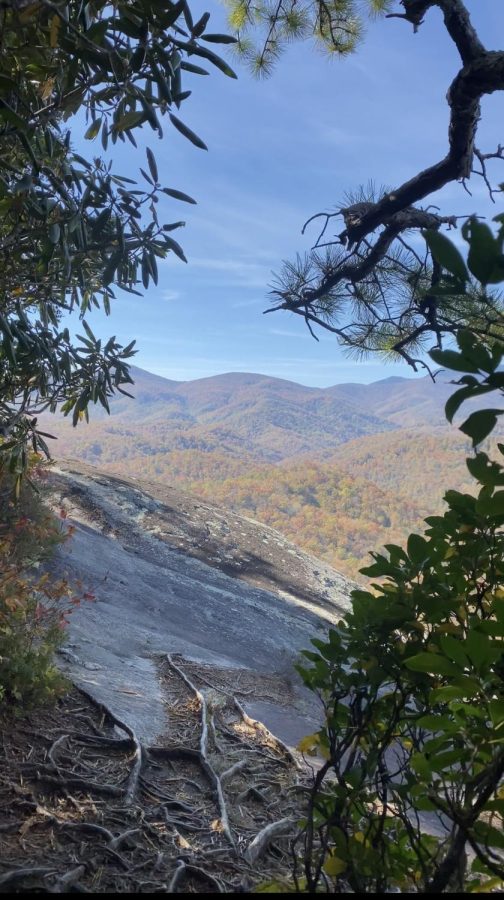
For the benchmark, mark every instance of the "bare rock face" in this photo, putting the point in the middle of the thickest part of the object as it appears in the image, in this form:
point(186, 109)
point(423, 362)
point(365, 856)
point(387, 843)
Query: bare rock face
point(172, 574)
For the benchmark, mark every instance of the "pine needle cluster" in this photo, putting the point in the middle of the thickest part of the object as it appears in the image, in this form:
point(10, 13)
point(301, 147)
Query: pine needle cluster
point(336, 26)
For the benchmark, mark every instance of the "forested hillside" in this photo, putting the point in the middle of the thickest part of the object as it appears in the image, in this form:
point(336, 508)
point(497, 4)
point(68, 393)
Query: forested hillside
point(331, 469)
point(410, 465)
point(319, 506)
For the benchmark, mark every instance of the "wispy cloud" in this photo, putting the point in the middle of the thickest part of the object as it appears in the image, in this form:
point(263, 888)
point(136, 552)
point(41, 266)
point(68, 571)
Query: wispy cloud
point(349, 139)
point(258, 302)
point(226, 265)
point(232, 272)
point(283, 332)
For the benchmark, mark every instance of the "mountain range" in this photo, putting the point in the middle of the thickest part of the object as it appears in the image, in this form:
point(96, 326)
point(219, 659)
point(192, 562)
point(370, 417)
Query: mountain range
point(339, 470)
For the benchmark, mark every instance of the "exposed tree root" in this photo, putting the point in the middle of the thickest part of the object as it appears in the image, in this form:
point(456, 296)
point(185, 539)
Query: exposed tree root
point(9, 879)
point(184, 870)
point(86, 811)
point(57, 743)
point(100, 740)
point(134, 776)
point(112, 842)
point(69, 880)
point(253, 723)
point(206, 764)
point(262, 840)
point(251, 791)
point(234, 769)
point(74, 783)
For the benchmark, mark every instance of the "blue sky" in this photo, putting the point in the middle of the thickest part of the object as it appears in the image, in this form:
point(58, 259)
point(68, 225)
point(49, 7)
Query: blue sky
point(280, 150)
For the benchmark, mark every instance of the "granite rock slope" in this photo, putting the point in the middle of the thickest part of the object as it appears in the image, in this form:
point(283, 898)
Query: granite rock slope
point(172, 574)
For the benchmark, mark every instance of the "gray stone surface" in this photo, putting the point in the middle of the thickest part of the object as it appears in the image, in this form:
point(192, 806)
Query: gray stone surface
point(152, 598)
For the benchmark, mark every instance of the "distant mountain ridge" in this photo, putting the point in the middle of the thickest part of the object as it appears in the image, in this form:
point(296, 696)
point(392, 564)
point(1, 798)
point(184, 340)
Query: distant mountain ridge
point(404, 402)
point(219, 397)
point(400, 401)
point(271, 418)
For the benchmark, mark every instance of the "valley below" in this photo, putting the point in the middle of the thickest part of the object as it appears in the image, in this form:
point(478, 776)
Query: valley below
point(340, 471)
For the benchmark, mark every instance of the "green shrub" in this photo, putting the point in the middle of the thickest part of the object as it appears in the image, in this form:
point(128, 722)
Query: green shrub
point(409, 795)
point(412, 687)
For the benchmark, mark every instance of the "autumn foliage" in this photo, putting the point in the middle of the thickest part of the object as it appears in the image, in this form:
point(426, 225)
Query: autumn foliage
point(34, 606)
